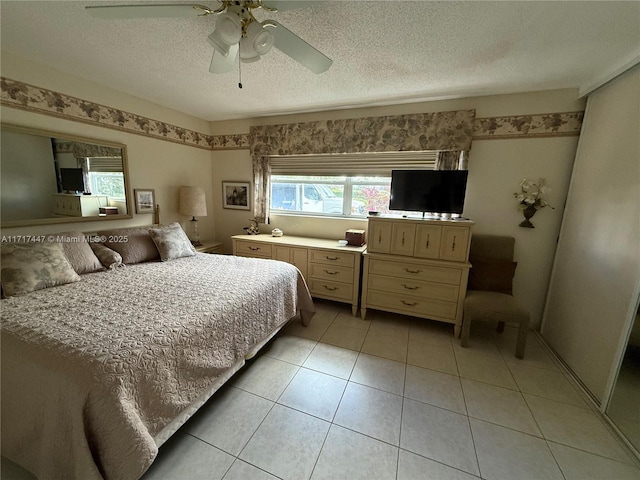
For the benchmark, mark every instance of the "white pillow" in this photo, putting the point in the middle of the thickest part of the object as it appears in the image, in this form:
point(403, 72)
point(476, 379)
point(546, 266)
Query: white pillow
point(172, 242)
point(27, 267)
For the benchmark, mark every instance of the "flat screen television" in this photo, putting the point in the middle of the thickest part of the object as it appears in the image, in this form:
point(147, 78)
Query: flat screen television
point(72, 180)
point(433, 191)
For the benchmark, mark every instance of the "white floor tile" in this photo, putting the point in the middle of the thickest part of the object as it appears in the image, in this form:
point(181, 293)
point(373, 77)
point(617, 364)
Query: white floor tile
point(580, 465)
point(315, 330)
point(440, 358)
point(229, 419)
point(336, 361)
point(378, 372)
point(314, 393)
point(576, 427)
point(392, 347)
point(412, 467)
point(484, 368)
point(438, 434)
point(349, 455)
point(435, 388)
point(370, 411)
point(290, 348)
point(535, 356)
point(346, 320)
point(504, 454)
point(499, 405)
point(186, 457)
point(545, 383)
point(345, 337)
point(243, 471)
point(287, 444)
point(266, 377)
point(428, 332)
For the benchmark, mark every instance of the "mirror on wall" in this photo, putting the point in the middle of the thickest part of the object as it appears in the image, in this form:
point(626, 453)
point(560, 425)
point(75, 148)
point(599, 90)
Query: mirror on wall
point(49, 177)
point(624, 405)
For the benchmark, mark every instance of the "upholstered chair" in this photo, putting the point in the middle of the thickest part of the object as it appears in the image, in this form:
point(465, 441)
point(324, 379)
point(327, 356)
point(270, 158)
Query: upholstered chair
point(489, 292)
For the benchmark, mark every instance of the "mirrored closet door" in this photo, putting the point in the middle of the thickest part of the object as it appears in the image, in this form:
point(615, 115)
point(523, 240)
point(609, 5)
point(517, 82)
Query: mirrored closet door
point(624, 404)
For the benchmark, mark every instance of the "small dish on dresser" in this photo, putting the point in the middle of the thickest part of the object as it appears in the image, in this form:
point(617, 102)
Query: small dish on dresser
point(342, 243)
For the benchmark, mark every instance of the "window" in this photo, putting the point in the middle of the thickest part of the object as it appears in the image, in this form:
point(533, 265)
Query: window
point(329, 195)
point(338, 184)
point(107, 183)
point(106, 176)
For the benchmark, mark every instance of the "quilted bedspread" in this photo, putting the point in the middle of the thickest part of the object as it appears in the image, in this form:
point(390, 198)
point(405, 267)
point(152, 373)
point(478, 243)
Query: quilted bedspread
point(93, 370)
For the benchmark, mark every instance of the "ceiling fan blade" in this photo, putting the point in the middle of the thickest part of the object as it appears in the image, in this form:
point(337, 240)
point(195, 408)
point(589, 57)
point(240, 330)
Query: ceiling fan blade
point(224, 64)
point(148, 11)
point(284, 5)
point(292, 45)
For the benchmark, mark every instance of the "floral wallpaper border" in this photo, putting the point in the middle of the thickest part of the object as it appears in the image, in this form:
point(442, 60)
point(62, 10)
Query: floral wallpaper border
point(361, 134)
point(528, 126)
point(40, 100)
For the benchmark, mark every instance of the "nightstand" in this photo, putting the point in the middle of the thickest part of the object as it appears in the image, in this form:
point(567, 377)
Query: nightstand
point(210, 247)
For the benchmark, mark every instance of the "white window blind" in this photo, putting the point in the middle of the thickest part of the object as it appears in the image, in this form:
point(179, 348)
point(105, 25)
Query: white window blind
point(361, 164)
point(105, 164)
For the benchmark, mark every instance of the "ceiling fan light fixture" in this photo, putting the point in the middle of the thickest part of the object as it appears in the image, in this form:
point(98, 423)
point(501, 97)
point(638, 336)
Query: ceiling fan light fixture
point(218, 45)
point(247, 52)
point(261, 39)
point(228, 28)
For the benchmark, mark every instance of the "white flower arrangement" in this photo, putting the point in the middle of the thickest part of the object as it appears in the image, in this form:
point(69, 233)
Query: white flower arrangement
point(532, 194)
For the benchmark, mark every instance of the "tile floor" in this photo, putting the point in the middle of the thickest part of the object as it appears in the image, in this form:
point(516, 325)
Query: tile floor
point(394, 397)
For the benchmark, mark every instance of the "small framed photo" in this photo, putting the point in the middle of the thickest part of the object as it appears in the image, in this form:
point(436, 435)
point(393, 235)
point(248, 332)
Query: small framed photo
point(145, 200)
point(236, 195)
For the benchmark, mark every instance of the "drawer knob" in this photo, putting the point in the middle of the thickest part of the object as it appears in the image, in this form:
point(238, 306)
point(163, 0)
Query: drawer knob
point(331, 289)
point(409, 304)
point(331, 258)
point(408, 270)
point(409, 287)
point(330, 273)
point(254, 248)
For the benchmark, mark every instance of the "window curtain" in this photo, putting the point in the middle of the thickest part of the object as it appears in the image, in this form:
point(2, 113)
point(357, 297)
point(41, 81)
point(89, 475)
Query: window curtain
point(452, 160)
point(84, 164)
point(261, 187)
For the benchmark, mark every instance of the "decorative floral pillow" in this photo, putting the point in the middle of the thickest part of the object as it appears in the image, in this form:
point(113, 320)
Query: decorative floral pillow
point(27, 267)
point(109, 258)
point(172, 242)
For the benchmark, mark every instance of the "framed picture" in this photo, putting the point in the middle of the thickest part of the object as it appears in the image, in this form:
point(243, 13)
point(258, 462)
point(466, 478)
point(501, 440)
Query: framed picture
point(236, 195)
point(145, 200)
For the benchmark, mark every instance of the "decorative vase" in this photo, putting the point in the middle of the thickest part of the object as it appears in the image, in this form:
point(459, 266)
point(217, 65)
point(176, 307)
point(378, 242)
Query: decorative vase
point(528, 212)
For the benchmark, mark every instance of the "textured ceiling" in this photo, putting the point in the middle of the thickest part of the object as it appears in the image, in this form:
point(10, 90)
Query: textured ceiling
point(383, 52)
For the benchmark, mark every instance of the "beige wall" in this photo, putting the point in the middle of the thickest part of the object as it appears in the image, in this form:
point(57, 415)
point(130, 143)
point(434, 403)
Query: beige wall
point(496, 168)
point(594, 292)
point(156, 164)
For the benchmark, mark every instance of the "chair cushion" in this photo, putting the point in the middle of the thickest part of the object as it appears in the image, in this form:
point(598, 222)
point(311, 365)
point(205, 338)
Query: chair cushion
point(492, 275)
point(493, 306)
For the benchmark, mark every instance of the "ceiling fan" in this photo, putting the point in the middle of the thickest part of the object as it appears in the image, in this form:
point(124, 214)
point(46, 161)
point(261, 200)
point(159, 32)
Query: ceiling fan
point(237, 33)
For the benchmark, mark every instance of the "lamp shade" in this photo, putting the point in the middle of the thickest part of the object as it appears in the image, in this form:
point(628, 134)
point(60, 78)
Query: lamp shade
point(193, 202)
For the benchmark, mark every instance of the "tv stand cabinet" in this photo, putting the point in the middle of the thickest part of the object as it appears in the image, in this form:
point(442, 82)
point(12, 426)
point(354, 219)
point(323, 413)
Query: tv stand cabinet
point(417, 267)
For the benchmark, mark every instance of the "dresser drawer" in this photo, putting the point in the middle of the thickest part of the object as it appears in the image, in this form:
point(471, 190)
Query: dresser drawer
point(324, 288)
point(333, 273)
point(416, 271)
point(413, 306)
point(330, 257)
point(414, 288)
point(253, 249)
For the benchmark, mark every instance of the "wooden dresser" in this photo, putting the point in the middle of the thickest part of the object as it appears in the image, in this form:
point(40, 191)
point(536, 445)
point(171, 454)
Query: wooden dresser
point(417, 267)
point(330, 270)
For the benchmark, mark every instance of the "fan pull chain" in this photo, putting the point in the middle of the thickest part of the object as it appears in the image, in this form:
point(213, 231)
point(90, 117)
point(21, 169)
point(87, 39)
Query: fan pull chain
point(239, 72)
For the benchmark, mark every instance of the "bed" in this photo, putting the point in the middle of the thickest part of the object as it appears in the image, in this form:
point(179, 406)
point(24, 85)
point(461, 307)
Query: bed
point(97, 373)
